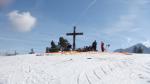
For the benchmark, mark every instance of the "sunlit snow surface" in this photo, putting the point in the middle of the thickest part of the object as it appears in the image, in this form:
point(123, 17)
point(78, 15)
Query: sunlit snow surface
point(80, 68)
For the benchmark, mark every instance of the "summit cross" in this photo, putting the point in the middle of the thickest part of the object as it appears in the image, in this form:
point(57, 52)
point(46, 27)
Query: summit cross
point(74, 34)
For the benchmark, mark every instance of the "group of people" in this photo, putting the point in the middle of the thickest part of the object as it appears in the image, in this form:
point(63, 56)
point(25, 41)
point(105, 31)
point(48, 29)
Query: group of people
point(93, 47)
point(102, 46)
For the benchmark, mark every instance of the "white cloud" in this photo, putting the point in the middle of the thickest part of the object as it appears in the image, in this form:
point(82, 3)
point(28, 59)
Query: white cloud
point(128, 22)
point(147, 43)
point(23, 22)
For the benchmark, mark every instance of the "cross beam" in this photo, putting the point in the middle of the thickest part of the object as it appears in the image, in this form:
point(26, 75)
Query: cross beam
point(74, 34)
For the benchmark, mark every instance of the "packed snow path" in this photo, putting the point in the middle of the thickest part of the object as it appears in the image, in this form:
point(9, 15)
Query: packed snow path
point(83, 68)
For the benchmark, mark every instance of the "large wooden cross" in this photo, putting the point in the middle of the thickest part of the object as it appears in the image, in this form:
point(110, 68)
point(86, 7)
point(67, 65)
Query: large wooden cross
point(74, 34)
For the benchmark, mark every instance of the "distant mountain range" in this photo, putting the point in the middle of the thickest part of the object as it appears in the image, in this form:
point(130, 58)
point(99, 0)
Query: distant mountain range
point(130, 49)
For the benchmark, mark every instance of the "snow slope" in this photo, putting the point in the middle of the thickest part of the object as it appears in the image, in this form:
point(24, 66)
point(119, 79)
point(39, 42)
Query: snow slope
point(81, 68)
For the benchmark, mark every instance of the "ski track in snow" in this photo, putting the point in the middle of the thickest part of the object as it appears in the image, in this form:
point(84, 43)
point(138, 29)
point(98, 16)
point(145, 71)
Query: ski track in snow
point(84, 68)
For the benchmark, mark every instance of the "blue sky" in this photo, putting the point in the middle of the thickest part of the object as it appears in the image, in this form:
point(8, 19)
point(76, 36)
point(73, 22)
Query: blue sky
point(26, 24)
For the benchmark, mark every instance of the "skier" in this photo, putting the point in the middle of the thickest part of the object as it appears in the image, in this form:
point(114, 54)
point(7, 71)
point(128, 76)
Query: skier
point(102, 46)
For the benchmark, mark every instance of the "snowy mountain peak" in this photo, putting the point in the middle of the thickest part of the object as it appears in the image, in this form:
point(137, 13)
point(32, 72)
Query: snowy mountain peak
point(130, 49)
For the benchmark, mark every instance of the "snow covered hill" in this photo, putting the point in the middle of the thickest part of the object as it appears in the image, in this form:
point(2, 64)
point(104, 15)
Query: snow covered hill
point(80, 68)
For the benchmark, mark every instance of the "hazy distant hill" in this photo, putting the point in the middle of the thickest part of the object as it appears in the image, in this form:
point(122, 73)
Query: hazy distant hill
point(130, 49)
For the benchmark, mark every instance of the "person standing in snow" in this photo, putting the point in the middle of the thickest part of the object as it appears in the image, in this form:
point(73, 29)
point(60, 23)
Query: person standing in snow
point(102, 46)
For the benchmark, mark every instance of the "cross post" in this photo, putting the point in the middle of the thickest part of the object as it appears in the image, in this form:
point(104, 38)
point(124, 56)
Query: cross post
point(74, 34)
